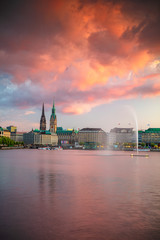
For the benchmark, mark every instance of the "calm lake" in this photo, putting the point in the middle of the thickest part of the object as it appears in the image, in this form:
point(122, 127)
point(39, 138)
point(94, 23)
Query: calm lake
point(71, 194)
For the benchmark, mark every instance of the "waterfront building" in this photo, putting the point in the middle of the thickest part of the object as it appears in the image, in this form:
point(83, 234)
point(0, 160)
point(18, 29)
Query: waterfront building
point(40, 137)
point(12, 129)
point(92, 136)
point(28, 138)
point(1, 131)
point(67, 137)
point(43, 120)
point(4, 132)
point(140, 132)
point(14, 135)
point(151, 135)
point(121, 135)
point(17, 136)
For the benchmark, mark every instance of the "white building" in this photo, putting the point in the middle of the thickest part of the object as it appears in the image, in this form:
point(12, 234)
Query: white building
point(38, 137)
point(121, 135)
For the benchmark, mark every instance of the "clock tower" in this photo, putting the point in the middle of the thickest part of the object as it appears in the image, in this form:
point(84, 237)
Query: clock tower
point(53, 120)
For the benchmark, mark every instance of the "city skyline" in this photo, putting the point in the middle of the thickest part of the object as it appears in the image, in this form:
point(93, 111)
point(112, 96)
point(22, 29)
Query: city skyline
point(125, 110)
point(98, 60)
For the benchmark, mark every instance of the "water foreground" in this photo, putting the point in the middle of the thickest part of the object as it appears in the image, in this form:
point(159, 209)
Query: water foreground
point(79, 195)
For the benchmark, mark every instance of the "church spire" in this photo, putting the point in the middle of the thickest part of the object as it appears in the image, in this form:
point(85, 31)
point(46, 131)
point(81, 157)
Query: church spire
point(53, 120)
point(53, 111)
point(43, 120)
point(43, 110)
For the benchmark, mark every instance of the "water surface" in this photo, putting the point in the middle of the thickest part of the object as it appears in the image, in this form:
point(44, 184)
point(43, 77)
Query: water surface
point(78, 195)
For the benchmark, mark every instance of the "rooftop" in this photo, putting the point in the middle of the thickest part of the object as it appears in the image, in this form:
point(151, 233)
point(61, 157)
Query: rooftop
point(42, 131)
point(121, 130)
point(60, 130)
point(90, 130)
point(152, 130)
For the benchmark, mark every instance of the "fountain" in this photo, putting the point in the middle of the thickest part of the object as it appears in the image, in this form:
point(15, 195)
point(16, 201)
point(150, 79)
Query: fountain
point(136, 122)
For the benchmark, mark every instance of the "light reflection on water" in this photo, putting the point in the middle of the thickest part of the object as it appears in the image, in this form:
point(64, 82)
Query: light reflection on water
point(79, 195)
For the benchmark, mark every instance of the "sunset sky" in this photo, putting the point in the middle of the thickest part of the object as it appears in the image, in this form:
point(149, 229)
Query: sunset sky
point(99, 60)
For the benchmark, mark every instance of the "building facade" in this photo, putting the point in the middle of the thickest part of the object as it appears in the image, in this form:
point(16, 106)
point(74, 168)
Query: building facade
point(4, 132)
point(12, 129)
point(67, 137)
point(28, 138)
point(17, 136)
point(140, 133)
point(121, 135)
point(151, 135)
point(40, 137)
point(1, 132)
point(94, 136)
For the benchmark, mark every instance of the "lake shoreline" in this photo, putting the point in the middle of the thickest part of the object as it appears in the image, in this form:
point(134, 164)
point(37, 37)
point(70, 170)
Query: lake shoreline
point(11, 148)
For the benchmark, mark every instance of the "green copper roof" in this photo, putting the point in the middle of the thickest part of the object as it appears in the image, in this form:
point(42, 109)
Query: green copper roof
point(60, 130)
point(53, 111)
point(64, 132)
point(41, 131)
point(48, 132)
point(36, 130)
point(152, 130)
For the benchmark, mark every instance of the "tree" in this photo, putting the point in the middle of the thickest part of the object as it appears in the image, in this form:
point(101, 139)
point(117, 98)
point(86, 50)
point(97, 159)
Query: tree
point(7, 141)
point(125, 144)
point(143, 144)
point(152, 145)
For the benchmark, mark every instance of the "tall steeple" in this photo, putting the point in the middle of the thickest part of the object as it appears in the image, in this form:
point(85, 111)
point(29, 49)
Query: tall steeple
point(53, 120)
point(43, 120)
point(43, 110)
point(53, 111)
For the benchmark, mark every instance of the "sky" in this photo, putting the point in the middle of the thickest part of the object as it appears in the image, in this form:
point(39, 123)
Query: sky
point(98, 60)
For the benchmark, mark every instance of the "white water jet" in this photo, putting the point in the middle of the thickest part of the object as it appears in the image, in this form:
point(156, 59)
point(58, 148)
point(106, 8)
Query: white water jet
point(136, 123)
point(136, 132)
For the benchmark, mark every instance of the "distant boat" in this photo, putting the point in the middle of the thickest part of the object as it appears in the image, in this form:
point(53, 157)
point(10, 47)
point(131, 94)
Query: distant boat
point(58, 148)
point(48, 148)
point(44, 148)
point(142, 149)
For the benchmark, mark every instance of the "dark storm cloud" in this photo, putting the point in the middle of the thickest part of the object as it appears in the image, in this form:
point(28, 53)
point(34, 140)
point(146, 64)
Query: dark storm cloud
point(148, 30)
point(140, 8)
point(28, 16)
point(150, 36)
point(30, 26)
point(27, 25)
point(130, 34)
point(146, 12)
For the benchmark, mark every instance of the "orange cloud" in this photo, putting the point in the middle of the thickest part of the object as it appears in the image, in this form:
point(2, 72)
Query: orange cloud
point(97, 49)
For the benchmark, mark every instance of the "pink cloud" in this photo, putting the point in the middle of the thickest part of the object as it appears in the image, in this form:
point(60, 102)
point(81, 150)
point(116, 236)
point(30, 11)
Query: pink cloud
point(29, 112)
